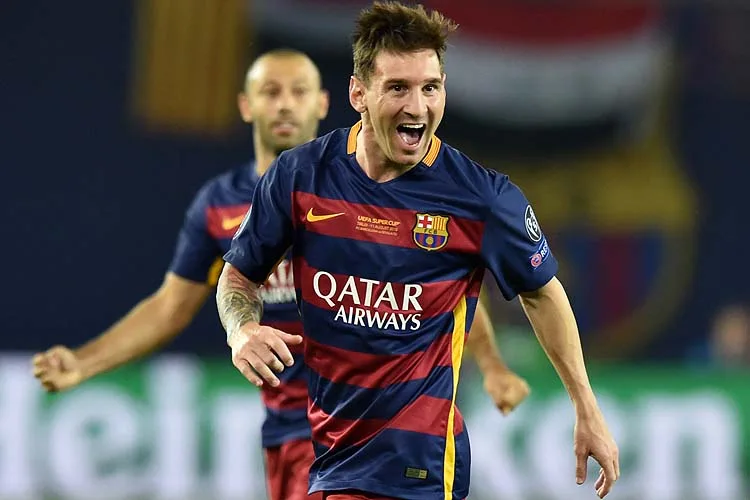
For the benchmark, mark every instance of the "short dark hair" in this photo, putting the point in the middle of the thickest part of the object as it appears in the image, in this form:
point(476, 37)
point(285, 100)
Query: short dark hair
point(281, 52)
point(395, 27)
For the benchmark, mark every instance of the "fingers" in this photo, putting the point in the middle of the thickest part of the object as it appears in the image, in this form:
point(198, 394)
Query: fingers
point(54, 360)
point(608, 470)
point(39, 369)
point(49, 384)
point(289, 338)
point(617, 464)
point(244, 367)
point(264, 352)
point(519, 393)
point(262, 369)
point(507, 391)
point(44, 372)
point(270, 360)
point(38, 360)
point(599, 480)
point(40, 364)
point(277, 344)
point(581, 460)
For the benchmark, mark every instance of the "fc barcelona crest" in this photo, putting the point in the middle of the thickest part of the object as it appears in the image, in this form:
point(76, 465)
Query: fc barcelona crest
point(431, 231)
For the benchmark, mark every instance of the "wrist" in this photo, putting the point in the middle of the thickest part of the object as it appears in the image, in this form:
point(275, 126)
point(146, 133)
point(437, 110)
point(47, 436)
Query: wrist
point(86, 365)
point(234, 334)
point(586, 407)
point(493, 368)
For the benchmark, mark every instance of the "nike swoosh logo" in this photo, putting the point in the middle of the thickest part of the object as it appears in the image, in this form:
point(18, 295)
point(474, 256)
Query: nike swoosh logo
point(227, 224)
point(311, 217)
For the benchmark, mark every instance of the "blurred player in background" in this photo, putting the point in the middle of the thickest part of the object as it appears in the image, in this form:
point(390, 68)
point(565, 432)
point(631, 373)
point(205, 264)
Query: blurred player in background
point(284, 101)
point(391, 232)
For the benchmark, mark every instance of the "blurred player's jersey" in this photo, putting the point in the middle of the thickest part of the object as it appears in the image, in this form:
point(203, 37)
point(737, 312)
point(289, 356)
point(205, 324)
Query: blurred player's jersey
point(387, 277)
point(210, 223)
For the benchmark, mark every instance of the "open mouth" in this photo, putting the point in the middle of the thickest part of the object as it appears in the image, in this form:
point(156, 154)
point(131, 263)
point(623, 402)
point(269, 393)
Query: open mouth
point(411, 133)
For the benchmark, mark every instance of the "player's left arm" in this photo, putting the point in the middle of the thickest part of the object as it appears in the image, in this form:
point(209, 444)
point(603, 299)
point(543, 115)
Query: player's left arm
point(553, 321)
point(506, 389)
point(518, 254)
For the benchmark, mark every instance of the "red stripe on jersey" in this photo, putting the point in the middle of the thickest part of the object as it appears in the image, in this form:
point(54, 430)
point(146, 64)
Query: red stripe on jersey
point(222, 222)
point(381, 225)
point(381, 298)
point(290, 395)
point(373, 371)
point(426, 415)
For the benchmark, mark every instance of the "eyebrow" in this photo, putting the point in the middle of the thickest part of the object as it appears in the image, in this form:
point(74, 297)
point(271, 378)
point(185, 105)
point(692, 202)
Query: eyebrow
point(295, 83)
point(401, 81)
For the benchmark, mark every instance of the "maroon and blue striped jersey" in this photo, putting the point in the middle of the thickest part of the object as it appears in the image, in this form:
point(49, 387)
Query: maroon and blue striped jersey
point(387, 277)
point(210, 222)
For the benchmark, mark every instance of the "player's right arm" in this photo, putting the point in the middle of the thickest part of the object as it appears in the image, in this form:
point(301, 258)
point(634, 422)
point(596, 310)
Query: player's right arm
point(260, 243)
point(154, 321)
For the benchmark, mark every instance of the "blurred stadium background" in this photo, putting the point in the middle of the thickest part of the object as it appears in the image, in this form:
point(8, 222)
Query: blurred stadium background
point(626, 123)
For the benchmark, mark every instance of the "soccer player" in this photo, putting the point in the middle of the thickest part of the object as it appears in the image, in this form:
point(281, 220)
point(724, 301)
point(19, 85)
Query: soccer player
point(391, 231)
point(284, 101)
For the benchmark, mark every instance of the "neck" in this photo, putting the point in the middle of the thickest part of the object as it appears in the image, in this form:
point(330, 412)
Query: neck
point(372, 159)
point(263, 157)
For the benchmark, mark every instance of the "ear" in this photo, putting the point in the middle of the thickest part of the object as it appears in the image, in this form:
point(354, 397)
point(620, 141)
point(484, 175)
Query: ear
point(357, 94)
point(243, 104)
point(324, 103)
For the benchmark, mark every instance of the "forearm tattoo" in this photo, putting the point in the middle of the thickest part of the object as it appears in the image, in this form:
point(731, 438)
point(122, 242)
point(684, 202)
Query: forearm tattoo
point(238, 300)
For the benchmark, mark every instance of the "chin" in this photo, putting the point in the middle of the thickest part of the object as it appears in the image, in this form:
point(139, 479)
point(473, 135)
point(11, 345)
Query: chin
point(280, 147)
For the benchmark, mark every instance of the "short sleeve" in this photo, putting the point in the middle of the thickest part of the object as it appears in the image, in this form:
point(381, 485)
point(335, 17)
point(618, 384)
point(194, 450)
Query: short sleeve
point(514, 247)
point(196, 251)
point(266, 232)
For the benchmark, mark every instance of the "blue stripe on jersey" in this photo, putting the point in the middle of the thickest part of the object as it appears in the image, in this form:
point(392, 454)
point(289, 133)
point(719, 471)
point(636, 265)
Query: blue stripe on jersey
point(381, 466)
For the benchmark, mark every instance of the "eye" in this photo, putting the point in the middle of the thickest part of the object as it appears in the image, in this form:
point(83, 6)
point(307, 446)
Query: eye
point(430, 87)
point(398, 88)
point(301, 91)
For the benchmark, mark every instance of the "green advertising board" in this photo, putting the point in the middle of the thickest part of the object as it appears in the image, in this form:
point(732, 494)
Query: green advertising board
point(185, 428)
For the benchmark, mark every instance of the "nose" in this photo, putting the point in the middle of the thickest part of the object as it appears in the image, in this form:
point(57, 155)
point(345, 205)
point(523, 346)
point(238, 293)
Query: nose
point(286, 101)
point(415, 105)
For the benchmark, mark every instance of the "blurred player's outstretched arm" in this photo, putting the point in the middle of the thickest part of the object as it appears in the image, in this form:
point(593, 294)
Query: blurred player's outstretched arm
point(155, 320)
point(552, 319)
point(152, 323)
point(506, 389)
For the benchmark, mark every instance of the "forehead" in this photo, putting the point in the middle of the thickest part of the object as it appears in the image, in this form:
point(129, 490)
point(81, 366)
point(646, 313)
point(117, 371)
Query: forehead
point(411, 66)
point(282, 71)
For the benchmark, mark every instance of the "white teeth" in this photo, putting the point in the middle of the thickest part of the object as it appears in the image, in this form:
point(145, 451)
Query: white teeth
point(412, 125)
